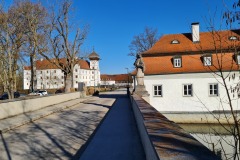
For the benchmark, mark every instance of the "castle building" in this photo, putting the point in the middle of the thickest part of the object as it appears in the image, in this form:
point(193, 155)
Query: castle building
point(49, 76)
point(183, 71)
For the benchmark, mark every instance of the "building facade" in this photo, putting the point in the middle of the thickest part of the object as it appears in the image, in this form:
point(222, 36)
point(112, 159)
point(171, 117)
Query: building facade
point(49, 76)
point(116, 80)
point(184, 71)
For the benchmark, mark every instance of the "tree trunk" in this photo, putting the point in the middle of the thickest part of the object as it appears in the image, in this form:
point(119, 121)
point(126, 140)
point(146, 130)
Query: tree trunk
point(68, 83)
point(33, 73)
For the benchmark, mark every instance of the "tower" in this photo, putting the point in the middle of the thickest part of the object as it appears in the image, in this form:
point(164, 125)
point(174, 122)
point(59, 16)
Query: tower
point(94, 60)
point(94, 66)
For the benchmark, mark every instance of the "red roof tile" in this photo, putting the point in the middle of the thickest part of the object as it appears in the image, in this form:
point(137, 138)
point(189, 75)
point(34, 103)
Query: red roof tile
point(158, 59)
point(116, 77)
point(190, 64)
point(45, 64)
point(207, 40)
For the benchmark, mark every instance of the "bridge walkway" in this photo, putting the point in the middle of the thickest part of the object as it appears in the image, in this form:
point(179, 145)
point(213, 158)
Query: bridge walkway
point(117, 137)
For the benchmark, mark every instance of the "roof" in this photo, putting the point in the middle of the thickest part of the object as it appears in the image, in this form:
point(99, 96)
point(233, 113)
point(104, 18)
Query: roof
point(159, 58)
point(190, 64)
point(116, 77)
point(207, 40)
point(93, 56)
point(45, 64)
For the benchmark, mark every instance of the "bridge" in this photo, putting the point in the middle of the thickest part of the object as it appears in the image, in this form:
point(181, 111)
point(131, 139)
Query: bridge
point(111, 126)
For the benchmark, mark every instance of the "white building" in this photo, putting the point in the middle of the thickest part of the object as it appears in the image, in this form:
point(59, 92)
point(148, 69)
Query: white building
point(181, 71)
point(117, 80)
point(49, 76)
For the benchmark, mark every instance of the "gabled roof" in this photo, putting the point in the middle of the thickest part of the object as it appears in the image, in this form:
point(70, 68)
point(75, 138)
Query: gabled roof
point(208, 42)
point(45, 64)
point(220, 45)
point(190, 64)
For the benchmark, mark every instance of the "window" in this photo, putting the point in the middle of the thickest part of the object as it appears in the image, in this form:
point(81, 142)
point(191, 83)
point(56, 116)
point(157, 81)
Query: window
point(175, 41)
point(232, 38)
point(62, 77)
point(47, 77)
point(207, 60)
point(47, 71)
point(41, 72)
point(213, 89)
point(177, 62)
point(157, 90)
point(238, 59)
point(76, 76)
point(55, 77)
point(75, 70)
point(55, 71)
point(187, 90)
point(76, 81)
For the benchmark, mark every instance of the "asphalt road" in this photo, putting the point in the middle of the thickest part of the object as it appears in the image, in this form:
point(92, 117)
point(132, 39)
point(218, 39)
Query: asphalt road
point(57, 136)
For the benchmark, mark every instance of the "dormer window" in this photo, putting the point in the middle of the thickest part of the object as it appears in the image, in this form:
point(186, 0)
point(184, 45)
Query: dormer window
point(177, 62)
point(207, 60)
point(233, 38)
point(175, 41)
point(237, 57)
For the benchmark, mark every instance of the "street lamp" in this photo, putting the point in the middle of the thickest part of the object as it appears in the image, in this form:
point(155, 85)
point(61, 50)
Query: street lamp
point(128, 76)
point(128, 92)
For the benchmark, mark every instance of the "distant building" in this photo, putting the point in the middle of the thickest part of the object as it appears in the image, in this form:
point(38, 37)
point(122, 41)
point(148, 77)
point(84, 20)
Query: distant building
point(49, 76)
point(180, 70)
point(117, 80)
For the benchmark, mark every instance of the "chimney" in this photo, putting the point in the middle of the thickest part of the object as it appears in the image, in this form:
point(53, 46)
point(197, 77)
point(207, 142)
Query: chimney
point(195, 33)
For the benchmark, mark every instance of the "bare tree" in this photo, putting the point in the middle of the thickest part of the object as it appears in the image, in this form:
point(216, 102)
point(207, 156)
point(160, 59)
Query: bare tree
point(232, 15)
point(64, 49)
point(143, 41)
point(11, 40)
point(33, 17)
point(224, 68)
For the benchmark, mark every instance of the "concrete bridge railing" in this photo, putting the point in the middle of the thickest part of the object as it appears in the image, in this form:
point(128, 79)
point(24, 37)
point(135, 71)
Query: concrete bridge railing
point(164, 139)
point(14, 107)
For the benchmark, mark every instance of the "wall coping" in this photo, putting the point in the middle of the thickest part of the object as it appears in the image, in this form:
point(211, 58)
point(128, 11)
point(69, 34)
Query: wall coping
point(167, 139)
point(9, 108)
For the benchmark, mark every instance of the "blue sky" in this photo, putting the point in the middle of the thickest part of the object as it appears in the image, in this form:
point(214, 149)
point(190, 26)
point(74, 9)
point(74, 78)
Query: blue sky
point(113, 23)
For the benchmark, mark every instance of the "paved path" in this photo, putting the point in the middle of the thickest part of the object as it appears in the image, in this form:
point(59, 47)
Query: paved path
point(117, 138)
point(56, 136)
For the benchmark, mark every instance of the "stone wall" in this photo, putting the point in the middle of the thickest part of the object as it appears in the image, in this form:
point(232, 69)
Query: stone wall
point(163, 139)
point(9, 108)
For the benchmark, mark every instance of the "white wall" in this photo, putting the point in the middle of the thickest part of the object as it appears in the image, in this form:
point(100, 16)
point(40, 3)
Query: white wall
point(172, 92)
point(53, 78)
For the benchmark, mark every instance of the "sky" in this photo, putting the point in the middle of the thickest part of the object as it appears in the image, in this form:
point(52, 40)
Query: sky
point(114, 23)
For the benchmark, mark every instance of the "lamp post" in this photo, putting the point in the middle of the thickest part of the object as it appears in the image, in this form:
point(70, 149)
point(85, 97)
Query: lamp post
point(128, 92)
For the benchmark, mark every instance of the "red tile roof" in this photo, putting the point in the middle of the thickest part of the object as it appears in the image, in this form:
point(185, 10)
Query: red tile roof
point(116, 77)
point(158, 59)
point(190, 64)
point(45, 64)
point(207, 40)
